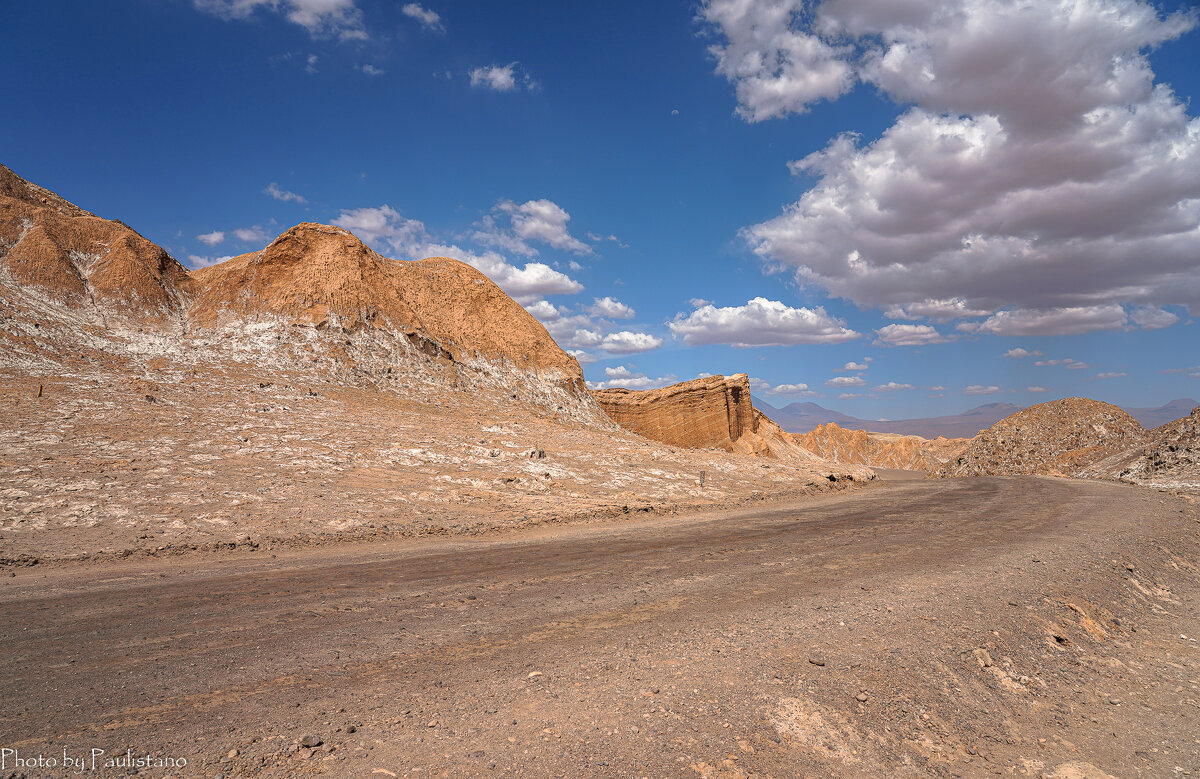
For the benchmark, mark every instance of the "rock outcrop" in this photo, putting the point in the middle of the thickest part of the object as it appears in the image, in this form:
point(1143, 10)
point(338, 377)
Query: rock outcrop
point(1169, 459)
point(1060, 438)
point(77, 289)
point(93, 265)
point(880, 450)
point(325, 277)
point(714, 412)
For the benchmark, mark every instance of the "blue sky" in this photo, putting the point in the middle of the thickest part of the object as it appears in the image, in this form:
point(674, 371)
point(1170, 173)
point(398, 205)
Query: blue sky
point(865, 203)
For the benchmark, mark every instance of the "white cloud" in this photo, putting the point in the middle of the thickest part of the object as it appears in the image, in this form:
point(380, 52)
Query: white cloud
point(541, 221)
point(1053, 321)
point(698, 302)
point(909, 335)
point(937, 310)
point(1036, 388)
point(797, 390)
point(846, 381)
point(936, 388)
point(340, 18)
point(251, 234)
point(428, 19)
point(611, 307)
point(623, 377)
point(1022, 352)
point(854, 366)
point(1109, 375)
point(626, 342)
point(371, 70)
point(384, 228)
point(776, 67)
point(275, 191)
point(1038, 168)
point(1182, 370)
point(196, 262)
point(760, 322)
point(211, 239)
point(584, 358)
point(980, 389)
point(1063, 361)
point(501, 78)
point(892, 386)
point(848, 395)
point(311, 64)
point(390, 232)
point(1152, 317)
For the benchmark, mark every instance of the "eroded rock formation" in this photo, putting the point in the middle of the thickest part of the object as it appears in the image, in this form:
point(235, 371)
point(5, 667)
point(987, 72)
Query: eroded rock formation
point(714, 412)
point(1169, 458)
point(881, 450)
point(1062, 437)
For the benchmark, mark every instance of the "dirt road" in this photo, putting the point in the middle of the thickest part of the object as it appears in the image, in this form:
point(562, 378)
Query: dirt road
point(914, 628)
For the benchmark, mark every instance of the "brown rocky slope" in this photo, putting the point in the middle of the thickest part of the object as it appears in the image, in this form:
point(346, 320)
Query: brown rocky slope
point(313, 390)
point(1170, 458)
point(1059, 438)
point(880, 450)
point(713, 412)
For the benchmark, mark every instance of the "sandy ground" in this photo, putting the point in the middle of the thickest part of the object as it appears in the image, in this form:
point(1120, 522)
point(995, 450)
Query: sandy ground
point(999, 626)
point(169, 460)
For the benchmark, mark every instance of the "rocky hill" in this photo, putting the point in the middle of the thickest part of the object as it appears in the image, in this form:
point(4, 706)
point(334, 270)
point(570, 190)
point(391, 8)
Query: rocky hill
point(714, 412)
point(1061, 437)
point(308, 391)
point(1169, 458)
point(882, 450)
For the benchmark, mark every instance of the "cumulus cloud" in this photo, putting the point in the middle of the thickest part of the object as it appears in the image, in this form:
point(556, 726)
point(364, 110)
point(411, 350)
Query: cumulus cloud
point(624, 377)
point(389, 232)
point(797, 390)
point(543, 221)
point(892, 386)
point(776, 67)
point(611, 307)
point(251, 234)
point(384, 228)
point(430, 20)
point(760, 322)
point(277, 192)
point(909, 335)
point(846, 381)
point(211, 239)
point(322, 18)
point(627, 342)
point(501, 78)
point(980, 389)
point(1021, 352)
point(1152, 317)
point(1039, 166)
point(855, 366)
point(1052, 321)
point(196, 262)
point(371, 70)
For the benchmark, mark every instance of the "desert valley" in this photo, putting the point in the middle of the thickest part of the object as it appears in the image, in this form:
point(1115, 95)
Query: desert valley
point(310, 511)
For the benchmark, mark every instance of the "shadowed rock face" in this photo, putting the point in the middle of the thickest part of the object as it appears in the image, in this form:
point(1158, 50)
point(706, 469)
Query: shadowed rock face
point(1062, 437)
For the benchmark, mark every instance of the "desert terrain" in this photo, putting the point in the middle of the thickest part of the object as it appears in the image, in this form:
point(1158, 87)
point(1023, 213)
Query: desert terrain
point(315, 512)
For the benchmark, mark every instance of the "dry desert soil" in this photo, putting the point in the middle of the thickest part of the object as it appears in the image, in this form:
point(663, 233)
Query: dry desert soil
point(998, 626)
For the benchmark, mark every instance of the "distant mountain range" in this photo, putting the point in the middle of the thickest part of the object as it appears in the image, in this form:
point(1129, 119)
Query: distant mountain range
point(803, 417)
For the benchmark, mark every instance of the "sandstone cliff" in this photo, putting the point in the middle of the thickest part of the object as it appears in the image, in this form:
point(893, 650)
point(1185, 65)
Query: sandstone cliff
point(714, 412)
point(1062, 437)
point(881, 450)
